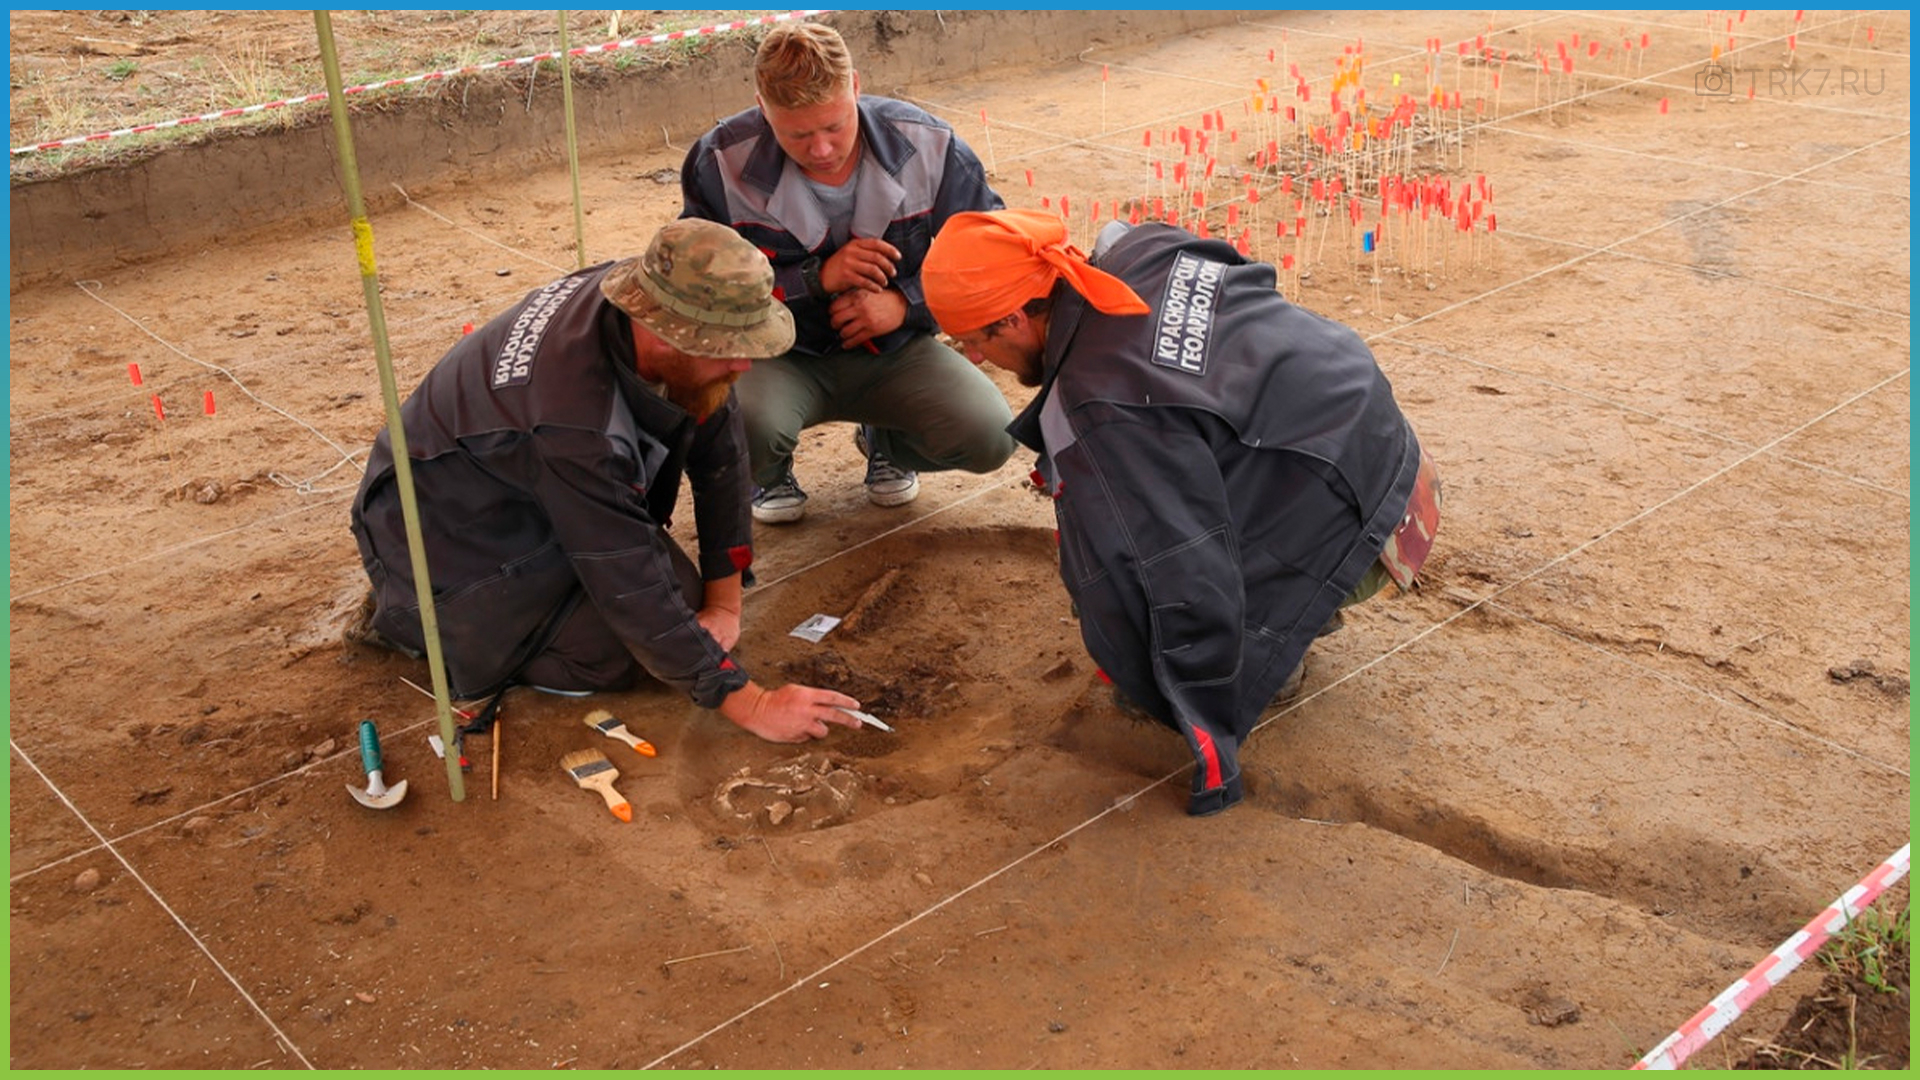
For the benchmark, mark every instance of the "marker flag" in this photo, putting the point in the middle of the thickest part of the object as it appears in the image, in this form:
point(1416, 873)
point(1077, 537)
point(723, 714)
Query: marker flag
point(209, 403)
point(133, 372)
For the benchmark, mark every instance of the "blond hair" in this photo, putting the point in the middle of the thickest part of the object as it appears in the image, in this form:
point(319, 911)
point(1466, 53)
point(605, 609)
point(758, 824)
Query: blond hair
point(802, 64)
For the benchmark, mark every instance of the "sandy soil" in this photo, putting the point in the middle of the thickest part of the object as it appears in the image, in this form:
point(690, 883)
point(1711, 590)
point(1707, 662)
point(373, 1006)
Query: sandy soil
point(1648, 715)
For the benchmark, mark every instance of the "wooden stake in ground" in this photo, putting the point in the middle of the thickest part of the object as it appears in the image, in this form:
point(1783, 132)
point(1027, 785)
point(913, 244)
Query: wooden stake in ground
point(868, 599)
point(497, 728)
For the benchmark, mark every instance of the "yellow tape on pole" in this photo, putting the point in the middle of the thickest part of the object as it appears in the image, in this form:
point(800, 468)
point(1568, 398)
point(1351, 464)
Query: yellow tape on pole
point(363, 246)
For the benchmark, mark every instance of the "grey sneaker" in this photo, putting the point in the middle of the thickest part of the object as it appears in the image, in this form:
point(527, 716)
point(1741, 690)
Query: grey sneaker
point(782, 503)
point(887, 484)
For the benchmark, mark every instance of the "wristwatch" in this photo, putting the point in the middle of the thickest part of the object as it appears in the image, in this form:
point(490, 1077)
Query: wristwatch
point(810, 274)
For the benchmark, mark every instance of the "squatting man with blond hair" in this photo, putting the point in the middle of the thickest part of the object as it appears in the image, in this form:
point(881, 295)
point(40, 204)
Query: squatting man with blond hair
point(843, 192)
point(547, 449)
point(1228, 470)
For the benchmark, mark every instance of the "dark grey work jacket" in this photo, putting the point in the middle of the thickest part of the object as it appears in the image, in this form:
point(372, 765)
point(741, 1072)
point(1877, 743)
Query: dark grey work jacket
point(922, 174)
point(545, 469)
point(1224, 471)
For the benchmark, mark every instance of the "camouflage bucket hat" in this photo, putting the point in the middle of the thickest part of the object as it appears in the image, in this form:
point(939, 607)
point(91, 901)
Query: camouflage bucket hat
point(704, 290)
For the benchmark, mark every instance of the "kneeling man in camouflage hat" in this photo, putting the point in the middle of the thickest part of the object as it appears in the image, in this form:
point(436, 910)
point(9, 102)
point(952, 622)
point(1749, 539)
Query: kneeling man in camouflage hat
point(547, 450)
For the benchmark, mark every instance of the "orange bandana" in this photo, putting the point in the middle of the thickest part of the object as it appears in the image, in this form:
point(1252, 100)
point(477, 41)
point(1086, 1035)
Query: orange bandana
point(984, 266)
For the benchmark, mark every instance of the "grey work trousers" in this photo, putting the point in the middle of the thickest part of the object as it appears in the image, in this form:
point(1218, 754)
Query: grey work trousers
point(930, 408)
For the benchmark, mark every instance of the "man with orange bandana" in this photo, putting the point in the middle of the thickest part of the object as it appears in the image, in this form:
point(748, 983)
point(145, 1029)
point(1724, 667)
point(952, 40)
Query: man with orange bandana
point(1228, 470)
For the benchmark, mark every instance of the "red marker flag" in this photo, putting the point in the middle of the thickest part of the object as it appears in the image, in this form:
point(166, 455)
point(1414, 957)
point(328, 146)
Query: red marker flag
point(209, 403)
point(1644, 38)
point(158, 412)
point(1029, 177)
point(1663, 106)
point(1233, 213)
point(465, 329)
point(1286, 262)
point(133, 372)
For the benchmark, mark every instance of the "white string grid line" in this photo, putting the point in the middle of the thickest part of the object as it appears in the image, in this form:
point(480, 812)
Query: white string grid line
point(164, 906)
point(1708, 272)
point(1691, 429)
point(304, 487)
point(1180, 772)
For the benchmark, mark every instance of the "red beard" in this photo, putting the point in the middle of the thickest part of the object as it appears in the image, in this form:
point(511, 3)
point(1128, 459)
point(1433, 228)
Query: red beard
point(701, 402)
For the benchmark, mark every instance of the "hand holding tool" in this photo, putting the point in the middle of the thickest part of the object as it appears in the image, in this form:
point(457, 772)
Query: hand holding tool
point(866, 718)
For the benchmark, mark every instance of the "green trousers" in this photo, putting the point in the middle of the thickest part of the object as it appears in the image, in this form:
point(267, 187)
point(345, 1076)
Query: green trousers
point(930, 408)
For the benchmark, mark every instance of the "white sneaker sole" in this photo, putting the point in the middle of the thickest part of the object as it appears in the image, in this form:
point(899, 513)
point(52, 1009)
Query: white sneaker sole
point(895, 498)
point(779, 515)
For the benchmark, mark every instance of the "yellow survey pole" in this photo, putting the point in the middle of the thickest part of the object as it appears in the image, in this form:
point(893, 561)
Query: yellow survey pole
point(573, 149)
point(390, 394)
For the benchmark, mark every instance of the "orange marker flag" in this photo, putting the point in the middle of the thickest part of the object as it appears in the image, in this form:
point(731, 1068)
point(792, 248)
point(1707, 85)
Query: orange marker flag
point(209, 403)
point(1233, 213)
point(133, 372)
point(158, 412)
point(1029, 177)
point(1663, 106)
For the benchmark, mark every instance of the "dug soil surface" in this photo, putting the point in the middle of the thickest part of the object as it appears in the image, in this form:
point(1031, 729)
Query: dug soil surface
point(1646, 716)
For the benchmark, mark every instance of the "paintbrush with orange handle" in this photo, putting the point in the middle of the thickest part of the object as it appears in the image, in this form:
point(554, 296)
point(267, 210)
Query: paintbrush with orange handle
point(607, 724)
point(591, 770)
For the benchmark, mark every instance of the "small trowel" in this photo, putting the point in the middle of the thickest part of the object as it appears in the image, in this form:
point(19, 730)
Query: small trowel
point(377, 794)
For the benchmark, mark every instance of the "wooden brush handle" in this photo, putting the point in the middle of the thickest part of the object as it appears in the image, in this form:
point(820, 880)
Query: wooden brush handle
point(639, 744)
point(615, 801)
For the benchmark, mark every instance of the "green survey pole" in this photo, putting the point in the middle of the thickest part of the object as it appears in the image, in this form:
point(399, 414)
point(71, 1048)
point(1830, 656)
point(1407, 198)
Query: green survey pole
point(390, 394)
point(573, 148)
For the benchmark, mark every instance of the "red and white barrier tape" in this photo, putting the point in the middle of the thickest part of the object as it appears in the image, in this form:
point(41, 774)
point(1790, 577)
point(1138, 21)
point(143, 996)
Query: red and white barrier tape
point(611, 46)
point(1721, 1011)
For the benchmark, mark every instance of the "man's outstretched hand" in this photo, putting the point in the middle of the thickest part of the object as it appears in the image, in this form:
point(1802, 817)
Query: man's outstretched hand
point(791, 714)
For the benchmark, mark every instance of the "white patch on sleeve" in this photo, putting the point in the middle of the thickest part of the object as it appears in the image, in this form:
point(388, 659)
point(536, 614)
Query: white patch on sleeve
point(1185, 325)
point(514, 364)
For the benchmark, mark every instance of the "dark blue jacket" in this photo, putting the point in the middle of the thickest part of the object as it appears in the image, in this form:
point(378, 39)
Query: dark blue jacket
point(737, 175)
point(1225, 470)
